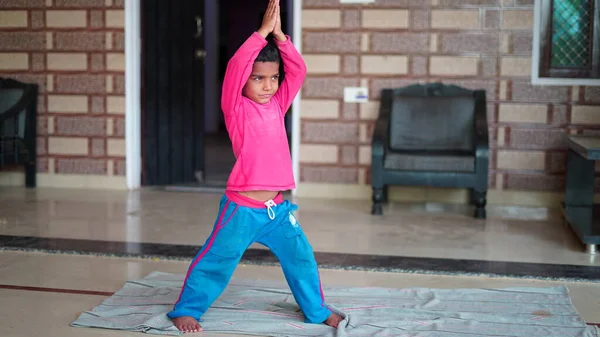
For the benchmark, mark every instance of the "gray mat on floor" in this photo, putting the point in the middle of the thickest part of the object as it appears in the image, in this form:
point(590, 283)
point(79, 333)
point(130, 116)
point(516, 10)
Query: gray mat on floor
point(268, 309)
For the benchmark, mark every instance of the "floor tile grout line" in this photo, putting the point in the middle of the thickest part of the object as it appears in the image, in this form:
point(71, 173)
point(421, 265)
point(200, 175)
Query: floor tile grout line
point(56, 290)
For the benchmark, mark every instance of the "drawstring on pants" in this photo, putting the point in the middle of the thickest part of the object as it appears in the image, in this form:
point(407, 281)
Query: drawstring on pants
point(270, 204)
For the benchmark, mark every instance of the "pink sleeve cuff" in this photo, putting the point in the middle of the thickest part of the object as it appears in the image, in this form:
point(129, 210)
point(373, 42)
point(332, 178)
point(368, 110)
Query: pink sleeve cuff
point(282, 43)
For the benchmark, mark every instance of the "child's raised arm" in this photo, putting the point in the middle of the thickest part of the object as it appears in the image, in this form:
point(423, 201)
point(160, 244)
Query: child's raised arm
point(239, 67)
point(293, 66)
point(295, 73)
point(238, 71)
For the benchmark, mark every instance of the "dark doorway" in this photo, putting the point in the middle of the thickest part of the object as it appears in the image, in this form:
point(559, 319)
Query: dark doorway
point(173, 91)
point(186, 47)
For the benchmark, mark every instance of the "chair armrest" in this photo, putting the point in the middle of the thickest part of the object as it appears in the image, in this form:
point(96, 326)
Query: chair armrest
point(482, 139)
point(379, 138)
point(380, 132)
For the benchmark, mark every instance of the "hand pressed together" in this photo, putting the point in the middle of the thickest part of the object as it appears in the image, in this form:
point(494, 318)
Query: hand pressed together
point(272, 22)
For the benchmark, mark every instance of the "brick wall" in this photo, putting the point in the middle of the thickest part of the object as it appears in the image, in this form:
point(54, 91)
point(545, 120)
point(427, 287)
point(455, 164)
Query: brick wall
point(74, 49)
point(472, 43)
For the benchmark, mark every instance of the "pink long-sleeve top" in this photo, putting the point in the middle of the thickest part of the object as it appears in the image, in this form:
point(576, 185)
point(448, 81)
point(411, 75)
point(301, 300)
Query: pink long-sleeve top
point(257, 131)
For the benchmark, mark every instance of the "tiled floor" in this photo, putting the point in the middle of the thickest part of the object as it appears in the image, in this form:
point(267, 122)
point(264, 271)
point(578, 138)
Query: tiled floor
point(340, 231)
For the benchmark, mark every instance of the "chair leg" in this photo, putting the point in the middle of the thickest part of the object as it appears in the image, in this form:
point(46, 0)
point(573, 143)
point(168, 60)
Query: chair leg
point(480, 201)
point(377, 201)
point(386, 194)
point(30, 174)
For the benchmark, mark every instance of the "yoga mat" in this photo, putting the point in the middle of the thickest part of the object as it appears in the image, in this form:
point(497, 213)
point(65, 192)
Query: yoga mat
point(267, 308)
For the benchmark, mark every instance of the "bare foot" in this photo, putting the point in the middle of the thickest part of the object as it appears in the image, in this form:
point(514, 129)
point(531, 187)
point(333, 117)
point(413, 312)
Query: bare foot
point(187, 324)
point(333, 320)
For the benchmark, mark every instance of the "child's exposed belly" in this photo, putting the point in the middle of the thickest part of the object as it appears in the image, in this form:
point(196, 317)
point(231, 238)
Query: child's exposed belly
point(260, 195)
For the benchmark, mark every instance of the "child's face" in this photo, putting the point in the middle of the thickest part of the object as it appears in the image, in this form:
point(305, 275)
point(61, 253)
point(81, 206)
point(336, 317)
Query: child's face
point(263, 82)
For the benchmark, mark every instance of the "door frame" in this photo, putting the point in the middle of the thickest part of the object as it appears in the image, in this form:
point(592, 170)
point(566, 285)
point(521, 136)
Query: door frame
point(133, 88)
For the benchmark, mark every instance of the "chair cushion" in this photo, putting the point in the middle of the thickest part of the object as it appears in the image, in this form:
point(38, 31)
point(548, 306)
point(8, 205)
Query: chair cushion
point(432, 123)
point(436, 162)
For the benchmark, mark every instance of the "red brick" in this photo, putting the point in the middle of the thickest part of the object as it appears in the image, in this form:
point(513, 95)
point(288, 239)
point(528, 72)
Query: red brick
point(38, 61)
point(22, 41)
point(329, 132)
point(41, 104)
point(120, 167)
point(350, 111)
point(521, 44)
point(98, 104)
point(492, 179)
point(351, 64)
point(378, 3)
point(320, 3)
point(419, 65)
point(42, 165)
point(556, 161)
point(80, 126)
point(80, 84)
point(488, 85)
point(543, 183)
point(490, 66)
point(42, 146)
point(119, 3)
point(420, 19)
point(399, 4)
point(22, 4)
point(97, 62)
point(378, 84)
point(42, 126)
point(79, 3)
point(492, 19)
point(491, 112)
point(38, 19)
point(96, 19)
point(98, 147)
point(79, 41)
point(331, 42)
point(119, 84)
point(486, 43)
point(524, 2)
point(349, 155)
point(537, 139)
point(525, 92)
point(119, 124)
point(559, 115)
point(119, 41)
point(328, 87)
point(81, 166)
point(400, 42)
point(351, 18)
point(592, 94)
point(332, 175)
point(493, 158)
point(470, 3)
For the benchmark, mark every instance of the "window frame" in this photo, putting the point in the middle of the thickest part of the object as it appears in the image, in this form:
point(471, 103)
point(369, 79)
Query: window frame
point(540, 72)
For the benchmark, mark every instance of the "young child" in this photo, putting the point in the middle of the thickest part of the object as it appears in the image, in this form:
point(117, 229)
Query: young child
point(253, 209)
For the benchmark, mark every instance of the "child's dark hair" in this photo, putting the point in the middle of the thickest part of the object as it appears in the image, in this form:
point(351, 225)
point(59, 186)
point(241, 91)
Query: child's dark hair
point(270, 53)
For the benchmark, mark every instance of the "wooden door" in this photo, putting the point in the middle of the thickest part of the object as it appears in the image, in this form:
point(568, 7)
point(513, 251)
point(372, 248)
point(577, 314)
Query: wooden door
point(173, 91)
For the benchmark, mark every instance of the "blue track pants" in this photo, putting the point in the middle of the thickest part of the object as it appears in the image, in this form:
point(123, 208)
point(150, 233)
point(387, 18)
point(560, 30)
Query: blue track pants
point(238, 226)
